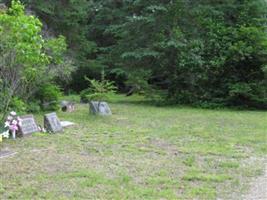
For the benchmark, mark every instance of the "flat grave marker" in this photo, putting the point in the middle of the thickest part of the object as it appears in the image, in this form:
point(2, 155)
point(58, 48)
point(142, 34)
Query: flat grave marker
point(66, 124)
point(28, 125)
point(52, 123)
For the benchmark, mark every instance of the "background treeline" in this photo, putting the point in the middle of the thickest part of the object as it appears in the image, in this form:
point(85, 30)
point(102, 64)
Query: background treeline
point(199, 52)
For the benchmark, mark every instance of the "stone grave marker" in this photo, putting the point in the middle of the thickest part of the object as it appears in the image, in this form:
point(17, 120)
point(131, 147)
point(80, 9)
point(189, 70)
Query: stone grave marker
point(52, 123)
point(100, 108)
point(67, 106)
point(28, 125)
point(66, 124)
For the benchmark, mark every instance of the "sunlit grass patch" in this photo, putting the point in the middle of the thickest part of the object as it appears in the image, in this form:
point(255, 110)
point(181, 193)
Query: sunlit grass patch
point(140, 152)
point(194, 175)
point(229, 164)
point(202, 192)
point(189, 161)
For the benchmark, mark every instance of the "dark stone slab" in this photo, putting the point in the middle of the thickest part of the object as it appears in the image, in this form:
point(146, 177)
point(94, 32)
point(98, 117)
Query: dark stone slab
point(67, 106)
point(100, 108)
point(28, 125)
point(52, 123)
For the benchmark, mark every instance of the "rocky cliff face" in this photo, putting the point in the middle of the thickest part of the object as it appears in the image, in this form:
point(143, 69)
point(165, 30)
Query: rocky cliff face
point(2, 7)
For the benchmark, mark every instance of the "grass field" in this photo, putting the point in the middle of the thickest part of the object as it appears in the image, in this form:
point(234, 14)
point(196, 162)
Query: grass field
point(140, 152)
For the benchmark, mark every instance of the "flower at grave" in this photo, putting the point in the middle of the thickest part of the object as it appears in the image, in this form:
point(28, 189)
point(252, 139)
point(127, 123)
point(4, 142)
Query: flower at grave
point(7, 124)
point(13, 127)
point(9, 118)
point(13, 113)
point(41, 129)
point(12, 124)
point(5, 134)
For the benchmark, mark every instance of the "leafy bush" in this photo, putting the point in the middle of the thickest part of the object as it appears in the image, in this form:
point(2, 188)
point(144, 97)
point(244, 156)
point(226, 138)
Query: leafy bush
point(84, 95)
point(138, 82)
point(201, 51)
point(244, 94)
point(49, 96)
point(34, 107)
point(18, 105)
point(27, 59)
point(100, 90)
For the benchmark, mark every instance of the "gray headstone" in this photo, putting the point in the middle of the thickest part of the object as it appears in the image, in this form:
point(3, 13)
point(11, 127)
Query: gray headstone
point(100, 108)
point(28, 125)
point(52, 123)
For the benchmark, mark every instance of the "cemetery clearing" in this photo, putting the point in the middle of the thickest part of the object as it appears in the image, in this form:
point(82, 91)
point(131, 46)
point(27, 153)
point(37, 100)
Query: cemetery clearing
point(140, 152)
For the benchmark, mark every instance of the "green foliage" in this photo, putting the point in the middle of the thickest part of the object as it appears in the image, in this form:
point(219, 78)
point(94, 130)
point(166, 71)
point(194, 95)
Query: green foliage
point(27, 60)
point(18, 105)
point(100, 90)
point(34, 107)
point(84, 95)
point(49, 96)
point(206, 53)
point(138, 80)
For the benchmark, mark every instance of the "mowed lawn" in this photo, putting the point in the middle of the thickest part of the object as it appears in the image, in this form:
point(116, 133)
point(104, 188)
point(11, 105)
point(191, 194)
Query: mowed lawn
point(140, 152)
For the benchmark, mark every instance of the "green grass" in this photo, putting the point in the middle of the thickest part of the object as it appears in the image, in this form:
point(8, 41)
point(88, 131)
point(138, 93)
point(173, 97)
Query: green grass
point(140, 152)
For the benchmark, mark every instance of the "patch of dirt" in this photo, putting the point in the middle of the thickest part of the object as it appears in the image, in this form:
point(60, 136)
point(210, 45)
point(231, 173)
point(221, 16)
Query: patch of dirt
point(258, 188)
point(169, 148)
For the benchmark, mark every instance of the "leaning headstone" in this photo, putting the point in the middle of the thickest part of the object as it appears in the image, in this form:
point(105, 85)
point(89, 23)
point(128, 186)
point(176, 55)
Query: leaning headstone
point(100, 108)
point(28, 125)
point(52, 123)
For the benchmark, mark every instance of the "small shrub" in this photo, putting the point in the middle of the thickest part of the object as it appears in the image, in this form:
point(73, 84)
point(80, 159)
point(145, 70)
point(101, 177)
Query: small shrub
point(18, 105)
point(34, 107)
point(247, 95)
point(84, 95)
point(49, 95)
point(100, 90)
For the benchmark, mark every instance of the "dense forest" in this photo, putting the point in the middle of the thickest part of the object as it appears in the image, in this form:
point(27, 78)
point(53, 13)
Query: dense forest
point(209, 53)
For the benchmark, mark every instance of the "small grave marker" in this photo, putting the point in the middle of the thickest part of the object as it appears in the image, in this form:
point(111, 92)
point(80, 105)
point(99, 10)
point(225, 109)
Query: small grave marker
point(52, 123)
point(67, 106)
point(28, 125)
point(66, 124)
point(100, 108)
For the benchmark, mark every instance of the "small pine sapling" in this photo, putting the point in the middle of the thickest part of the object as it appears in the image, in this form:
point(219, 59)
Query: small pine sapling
point(100, 90)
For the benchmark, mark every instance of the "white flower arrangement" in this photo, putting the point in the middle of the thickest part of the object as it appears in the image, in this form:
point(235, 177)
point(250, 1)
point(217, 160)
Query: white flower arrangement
point(5, 134)
point(12, 124)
